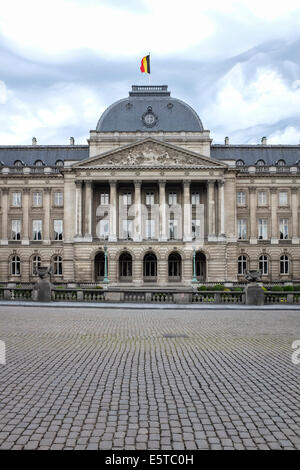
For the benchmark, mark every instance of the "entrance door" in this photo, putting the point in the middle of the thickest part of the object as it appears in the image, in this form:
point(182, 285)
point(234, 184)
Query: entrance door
point(99, 267)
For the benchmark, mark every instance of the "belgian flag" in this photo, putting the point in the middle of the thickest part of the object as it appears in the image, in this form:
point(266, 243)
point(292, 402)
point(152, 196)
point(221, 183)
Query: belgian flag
point(145, 64)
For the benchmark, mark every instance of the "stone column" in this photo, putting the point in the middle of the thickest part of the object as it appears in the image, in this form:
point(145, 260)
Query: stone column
point(211, 211)
point(5, 208)
point(78, 229)
point(113, 200)
point(137, 229)
point(274, 225)
point(295, 218)
point(162, 211)
point(46, 235)
point(221, 208)
point(88, 211)
point(187, 210)
point(253, 221)
point(25, 222)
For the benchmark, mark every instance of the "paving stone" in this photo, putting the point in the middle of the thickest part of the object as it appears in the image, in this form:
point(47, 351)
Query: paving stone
point(102, 378)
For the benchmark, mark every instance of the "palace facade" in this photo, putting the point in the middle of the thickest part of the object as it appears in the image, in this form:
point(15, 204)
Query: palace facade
point(151, 199)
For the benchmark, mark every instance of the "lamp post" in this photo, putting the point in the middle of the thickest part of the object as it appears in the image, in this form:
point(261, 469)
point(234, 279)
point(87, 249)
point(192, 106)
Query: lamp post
point(194, 266)
point(105, 279)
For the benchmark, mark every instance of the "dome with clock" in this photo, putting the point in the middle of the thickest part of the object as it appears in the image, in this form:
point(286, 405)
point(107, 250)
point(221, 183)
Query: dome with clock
point(149, 108)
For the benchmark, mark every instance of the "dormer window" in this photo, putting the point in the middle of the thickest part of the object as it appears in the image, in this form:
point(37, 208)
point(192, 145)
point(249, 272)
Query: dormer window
point(281, 163)
point(18, 163)
point(240, 163)
point(38, 163)
point(260, 162)
point(59, 163)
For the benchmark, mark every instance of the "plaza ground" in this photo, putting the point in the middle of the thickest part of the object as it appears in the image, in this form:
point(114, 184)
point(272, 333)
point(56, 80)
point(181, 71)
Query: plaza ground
point(104, 378)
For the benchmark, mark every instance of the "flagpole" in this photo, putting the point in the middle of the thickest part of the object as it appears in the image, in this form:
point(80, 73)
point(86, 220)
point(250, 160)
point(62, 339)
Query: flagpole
point(150, 71)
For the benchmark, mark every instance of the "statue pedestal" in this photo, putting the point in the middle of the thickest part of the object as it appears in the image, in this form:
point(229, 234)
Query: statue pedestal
point(42, 291)
point(254, 294)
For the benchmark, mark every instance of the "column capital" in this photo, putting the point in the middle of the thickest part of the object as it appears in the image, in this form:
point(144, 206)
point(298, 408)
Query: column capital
point(26, 190)
point(47, 190)
point(294, 190)
point(88, 182)
point(5, 190)
point(78, 183)
point(220, 183)
point(273, 190)
point(210, 182)
point(186, 182)
point(162, 182)
point(137, 184)
point(252, 189)
point(111, 182)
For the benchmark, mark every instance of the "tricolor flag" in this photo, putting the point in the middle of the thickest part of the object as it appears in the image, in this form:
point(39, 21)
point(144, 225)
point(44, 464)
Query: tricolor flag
point(145, 64)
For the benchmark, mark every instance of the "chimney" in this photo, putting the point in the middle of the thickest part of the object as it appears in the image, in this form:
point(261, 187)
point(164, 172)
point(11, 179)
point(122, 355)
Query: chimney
point(72, 141)
point(264, 141)
point(34, 141)
point(226, 140)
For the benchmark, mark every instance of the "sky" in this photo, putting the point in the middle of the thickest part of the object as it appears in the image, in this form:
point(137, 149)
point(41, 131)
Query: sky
point(63, 62)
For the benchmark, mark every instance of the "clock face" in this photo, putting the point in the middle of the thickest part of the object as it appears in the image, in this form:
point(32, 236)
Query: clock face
point(149, 118)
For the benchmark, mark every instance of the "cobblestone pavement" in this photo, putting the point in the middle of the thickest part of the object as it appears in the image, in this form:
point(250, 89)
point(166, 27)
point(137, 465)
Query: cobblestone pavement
point(111, 379)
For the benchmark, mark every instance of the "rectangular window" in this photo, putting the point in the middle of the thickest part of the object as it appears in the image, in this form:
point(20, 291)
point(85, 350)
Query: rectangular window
point(58, 198)
point(195, 198)
point(104, 229)
point(16, 229)
point(195, 228)
point(262, 198)
point(37, 198)
point(127, 199)
point(242, 229)
point(58, 229)
point(127, 229)
point(37, 230)
point(173, 232)
point(284, 229)
point(262, 229)
point(150, 228)
point(283, 198)
point(104, 199)
point(172, 198)
point(241, 198)
point(149, 199)
point(16, 199)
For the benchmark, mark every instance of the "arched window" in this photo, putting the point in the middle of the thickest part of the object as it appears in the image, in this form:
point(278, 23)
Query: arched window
point(242, 264)
point(38, 163)
point(125, 267)
point(150, 267)
point(174, 267)
point(36, 263)
point(15, 266)
point(200, 266)
point(281, 162)
point(260, 162)
point(57, 266)
point(18, 163)
point(99, 266)
point(240, 163)
point(264, 264)
point(59, 163)
point(284, 264)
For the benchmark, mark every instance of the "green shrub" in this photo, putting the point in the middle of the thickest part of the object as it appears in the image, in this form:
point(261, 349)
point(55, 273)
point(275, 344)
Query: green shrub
point(277, 288)
point(297, 288)
point(288, 288)
point(237, 289)
point(218, 287)
point(264, 288)
point(202, 288)
point(99, 287)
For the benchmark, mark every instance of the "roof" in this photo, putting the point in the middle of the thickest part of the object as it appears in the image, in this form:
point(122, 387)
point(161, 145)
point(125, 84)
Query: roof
point(250, 154)
point(170, 114)
point(49, 154)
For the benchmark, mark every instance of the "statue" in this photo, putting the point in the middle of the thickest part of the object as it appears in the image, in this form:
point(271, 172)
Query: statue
point(254, 293)
point(42, 289)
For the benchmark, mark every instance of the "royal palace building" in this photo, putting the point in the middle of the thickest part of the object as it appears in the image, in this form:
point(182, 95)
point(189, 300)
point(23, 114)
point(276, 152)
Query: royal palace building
point(150, 200)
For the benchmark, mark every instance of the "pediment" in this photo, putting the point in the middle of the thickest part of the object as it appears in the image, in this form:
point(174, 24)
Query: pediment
point(148, 154)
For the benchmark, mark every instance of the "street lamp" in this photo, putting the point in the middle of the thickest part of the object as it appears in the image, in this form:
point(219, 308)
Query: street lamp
point(105, 279)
